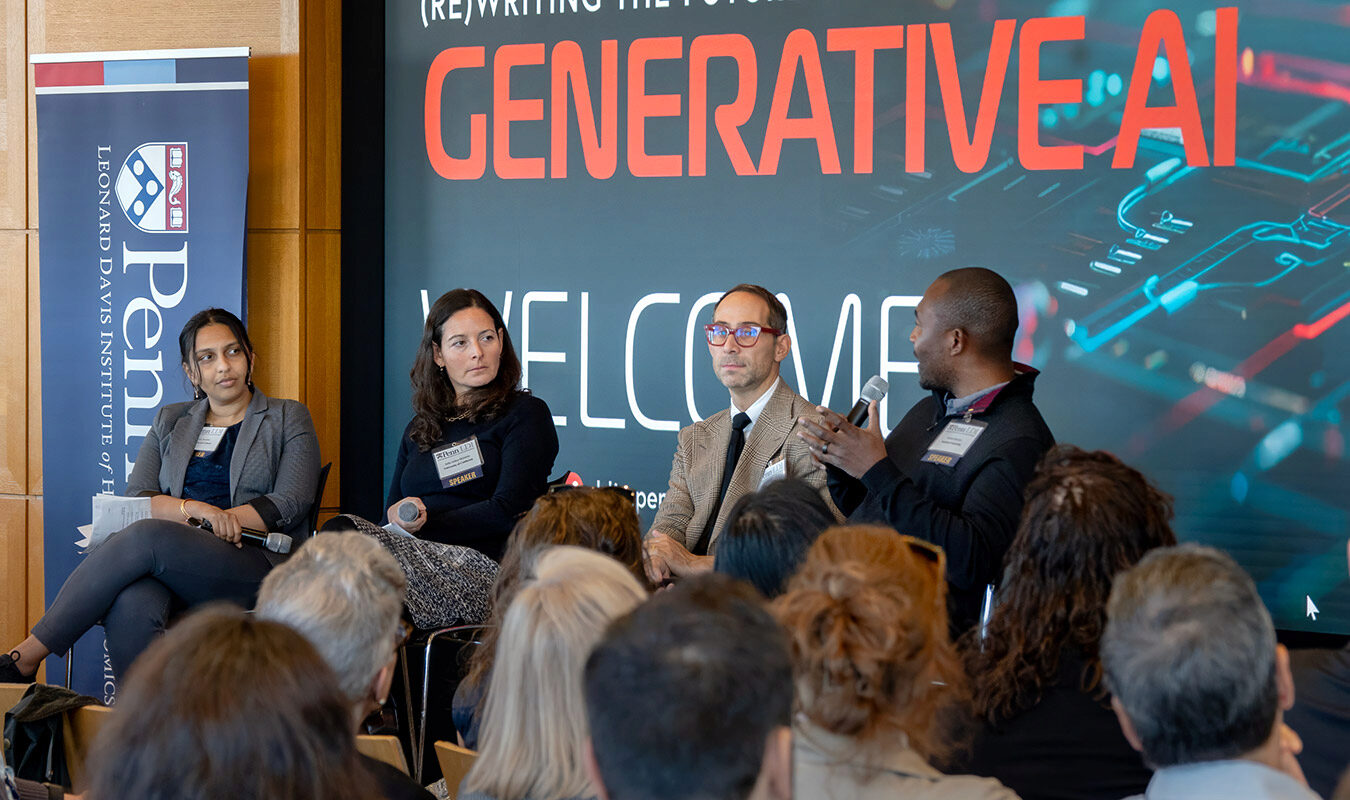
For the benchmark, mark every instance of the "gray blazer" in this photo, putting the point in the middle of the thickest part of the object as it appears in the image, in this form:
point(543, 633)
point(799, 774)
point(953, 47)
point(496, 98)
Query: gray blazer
point(274, 468)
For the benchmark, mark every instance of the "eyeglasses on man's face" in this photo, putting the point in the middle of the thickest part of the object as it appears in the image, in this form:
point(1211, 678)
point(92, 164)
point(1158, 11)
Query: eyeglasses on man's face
point(745, 335)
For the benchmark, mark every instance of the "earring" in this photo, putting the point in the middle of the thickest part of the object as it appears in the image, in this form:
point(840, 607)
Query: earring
point(197, 392)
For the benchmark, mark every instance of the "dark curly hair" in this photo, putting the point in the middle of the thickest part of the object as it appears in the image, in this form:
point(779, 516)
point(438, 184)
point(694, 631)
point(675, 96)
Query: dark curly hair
point(433, 397)
point(1087, 517)
point(866, 618)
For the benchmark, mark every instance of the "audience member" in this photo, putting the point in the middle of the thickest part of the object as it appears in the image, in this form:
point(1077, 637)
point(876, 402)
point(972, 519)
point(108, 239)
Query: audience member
point(1048, 731)
point(1321, 714)
point(768, 532)
point(229, 705)
point(534, 721)
point(878, 680)
point(600, 519)
point(1198, 683)
point(231, 458)
point(689, 697)
point(344, 593)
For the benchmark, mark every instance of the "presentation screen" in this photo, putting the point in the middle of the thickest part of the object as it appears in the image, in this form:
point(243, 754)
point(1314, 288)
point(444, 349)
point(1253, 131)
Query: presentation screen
point(1166, 189)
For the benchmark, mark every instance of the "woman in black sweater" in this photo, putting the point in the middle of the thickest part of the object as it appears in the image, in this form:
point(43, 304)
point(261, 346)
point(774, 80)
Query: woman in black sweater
point(472, 461)
point(478, 451)
point(1048, 731)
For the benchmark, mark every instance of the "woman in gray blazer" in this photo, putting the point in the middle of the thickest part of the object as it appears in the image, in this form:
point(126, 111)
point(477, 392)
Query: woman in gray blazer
point(233, 458)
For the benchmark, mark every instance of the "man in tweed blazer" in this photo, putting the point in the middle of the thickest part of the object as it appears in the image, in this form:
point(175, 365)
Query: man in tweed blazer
point(747, 342)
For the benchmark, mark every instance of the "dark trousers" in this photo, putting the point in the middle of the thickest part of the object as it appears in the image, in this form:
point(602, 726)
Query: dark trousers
point(135, 579)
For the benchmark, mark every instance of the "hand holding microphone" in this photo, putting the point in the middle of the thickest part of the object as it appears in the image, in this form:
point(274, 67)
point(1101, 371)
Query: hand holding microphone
point(837, 441)
point(409, 514)
point(276, 542)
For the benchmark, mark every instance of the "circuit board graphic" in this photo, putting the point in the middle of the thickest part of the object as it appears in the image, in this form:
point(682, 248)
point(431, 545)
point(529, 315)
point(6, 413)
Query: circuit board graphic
point(1193, 320)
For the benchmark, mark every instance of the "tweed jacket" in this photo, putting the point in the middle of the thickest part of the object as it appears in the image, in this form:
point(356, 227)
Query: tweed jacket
point(700, 458)
point(274, 468)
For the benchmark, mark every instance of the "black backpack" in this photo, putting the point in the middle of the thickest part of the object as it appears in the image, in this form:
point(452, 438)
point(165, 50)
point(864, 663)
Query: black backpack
point(34, 741)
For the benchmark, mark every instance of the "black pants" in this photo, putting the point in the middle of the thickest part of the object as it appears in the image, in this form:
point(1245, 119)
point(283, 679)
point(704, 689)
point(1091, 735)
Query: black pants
point(138, 576)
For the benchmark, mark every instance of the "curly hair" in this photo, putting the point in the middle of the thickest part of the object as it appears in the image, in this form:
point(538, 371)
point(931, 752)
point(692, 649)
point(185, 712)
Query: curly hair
point(594, 518)
point(433, 397)
point(1087, 517)
point(866, 618)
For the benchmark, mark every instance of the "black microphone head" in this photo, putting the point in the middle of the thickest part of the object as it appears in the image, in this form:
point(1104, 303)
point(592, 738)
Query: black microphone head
point(278, 543)
point(407, 511)
point(875, 389)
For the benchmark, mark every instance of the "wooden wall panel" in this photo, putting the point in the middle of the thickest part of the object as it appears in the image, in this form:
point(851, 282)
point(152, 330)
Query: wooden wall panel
point(323, 296)
point(34, 371)
point(14, 364)
point(276, 312)
point(13, 116)
point(323, 113)
point(274, 124)
point(13, 567)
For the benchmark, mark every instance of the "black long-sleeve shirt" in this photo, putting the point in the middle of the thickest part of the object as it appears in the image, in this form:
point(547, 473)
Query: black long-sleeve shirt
point(518, 450)
point(971, 508)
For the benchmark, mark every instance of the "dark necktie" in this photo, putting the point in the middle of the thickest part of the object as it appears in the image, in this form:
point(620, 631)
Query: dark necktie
point(734, 448)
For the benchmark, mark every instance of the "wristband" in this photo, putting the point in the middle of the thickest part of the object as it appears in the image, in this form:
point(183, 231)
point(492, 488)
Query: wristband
point(182, 509)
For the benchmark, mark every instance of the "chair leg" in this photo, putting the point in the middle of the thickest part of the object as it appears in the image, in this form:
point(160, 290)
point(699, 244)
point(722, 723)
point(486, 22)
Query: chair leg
point(408, 701)
point(422, 728)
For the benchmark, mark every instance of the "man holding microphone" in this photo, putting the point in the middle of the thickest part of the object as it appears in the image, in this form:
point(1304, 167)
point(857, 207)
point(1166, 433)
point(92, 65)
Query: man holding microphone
point(953, 471)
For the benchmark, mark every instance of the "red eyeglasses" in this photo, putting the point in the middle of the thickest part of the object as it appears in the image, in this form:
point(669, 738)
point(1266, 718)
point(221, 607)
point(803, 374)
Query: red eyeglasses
point(745, 335)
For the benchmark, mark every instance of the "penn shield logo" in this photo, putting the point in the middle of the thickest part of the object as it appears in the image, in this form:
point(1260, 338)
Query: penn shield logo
point(152, 187)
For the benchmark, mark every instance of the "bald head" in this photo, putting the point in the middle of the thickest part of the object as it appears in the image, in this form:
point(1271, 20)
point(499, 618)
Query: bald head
point(980, 302)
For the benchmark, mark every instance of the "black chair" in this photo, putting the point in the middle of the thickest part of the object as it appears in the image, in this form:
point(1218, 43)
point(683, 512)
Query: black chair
point(464, 638)
point(318, 498)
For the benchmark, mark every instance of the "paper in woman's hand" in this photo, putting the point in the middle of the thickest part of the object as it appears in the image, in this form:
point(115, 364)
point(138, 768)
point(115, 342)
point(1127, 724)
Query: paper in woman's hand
point(112, 513)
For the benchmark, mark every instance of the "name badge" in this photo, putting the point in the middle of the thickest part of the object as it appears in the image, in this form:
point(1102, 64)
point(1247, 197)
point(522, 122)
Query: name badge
point(209, 439)
point(953, 442)
point(774, 472)
point(459, 462)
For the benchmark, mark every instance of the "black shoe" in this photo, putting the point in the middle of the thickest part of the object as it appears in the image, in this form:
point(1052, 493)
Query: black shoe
point(9, 669)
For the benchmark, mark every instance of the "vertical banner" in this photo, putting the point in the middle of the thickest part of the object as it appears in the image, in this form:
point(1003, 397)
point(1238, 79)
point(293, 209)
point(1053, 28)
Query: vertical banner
point(142, 175)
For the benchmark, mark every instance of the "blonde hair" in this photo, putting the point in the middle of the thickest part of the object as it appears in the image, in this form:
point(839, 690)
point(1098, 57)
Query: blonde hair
point(534, 715)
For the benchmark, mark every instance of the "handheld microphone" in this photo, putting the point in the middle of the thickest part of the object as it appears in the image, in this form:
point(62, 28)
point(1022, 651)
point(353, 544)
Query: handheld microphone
point(276, 542)
point(407, 511)
point(875, 389)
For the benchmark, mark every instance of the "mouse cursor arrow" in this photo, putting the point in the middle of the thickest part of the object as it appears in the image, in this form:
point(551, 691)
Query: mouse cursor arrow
point(1312, 608)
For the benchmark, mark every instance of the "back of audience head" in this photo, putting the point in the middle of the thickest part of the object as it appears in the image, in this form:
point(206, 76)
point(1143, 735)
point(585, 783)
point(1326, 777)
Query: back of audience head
point(690, 696)
point(1191, 659)
point(534, 718)
point(767, 533)
point(597, 519)
point(1087, 516)
point(867, 619)
point(229, 705)
point(344, 592)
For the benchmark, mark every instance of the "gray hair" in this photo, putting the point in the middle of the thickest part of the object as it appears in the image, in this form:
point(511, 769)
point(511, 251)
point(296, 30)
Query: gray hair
point(344, 593)
point(1189, 652)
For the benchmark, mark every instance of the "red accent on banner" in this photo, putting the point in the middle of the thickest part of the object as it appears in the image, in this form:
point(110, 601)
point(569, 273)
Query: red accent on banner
point(75, 73)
